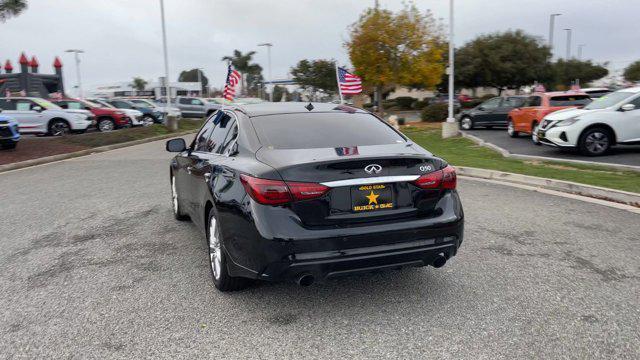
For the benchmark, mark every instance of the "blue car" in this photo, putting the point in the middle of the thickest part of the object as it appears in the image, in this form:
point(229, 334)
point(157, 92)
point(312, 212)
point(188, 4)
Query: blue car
point(9, 135)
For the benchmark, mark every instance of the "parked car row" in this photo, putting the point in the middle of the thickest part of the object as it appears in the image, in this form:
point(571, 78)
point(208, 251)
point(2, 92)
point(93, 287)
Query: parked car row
point(40, 116)
point(589, 120)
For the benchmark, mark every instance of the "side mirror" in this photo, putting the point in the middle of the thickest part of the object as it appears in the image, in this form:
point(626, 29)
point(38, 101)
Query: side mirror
point(627, 107)
point(37, 108)
point(176, 145)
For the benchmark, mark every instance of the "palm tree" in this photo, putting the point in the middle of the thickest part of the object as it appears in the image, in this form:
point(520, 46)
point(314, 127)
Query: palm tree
point(9, 8)
point(252, 73)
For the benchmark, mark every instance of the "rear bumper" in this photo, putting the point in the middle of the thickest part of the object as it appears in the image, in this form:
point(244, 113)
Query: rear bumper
point(324, 265)
point(282, 249)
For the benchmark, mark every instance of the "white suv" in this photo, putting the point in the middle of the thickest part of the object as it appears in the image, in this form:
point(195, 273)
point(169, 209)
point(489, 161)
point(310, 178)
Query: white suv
point(613, 119)
point(39, 116)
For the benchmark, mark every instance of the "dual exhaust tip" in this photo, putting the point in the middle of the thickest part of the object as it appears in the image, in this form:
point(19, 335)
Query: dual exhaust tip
point(306, 279)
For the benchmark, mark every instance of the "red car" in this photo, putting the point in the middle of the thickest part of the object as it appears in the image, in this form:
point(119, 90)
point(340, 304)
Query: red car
point(525, 119)
point(107, 119)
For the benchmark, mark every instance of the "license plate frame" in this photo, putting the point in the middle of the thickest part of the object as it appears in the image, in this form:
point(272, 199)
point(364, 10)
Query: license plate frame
point(371, 198)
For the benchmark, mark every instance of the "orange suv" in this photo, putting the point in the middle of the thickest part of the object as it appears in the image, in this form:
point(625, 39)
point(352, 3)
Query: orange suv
point(527, 118)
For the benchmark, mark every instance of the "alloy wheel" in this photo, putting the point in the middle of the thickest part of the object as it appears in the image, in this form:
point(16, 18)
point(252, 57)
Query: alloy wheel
point(105, 126)
point(534, 134)
point(59, 128)
point(147, 120)
point(215, 252)
point(597, 142)
point(174, 195)
point(465, 123)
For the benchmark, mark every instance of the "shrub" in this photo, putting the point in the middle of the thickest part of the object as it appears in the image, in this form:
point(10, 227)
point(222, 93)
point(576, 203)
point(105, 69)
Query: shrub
point(420, 104)
point(404, 102)
point(435, 113)
point(389, 103)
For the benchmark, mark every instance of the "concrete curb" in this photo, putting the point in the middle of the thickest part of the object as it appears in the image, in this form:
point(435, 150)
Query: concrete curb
point(508, 154)
point(623, 197)
point(59, 157)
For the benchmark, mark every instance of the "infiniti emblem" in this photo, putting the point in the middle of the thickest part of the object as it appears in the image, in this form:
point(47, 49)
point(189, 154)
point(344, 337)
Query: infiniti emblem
point(373, 169)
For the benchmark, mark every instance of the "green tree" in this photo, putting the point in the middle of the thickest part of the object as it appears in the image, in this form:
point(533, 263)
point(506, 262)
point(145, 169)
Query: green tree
point(9, 8)
point(563, 72)
point(251, 72)
point(192, 76)
point(139, 83)
point(316, 75)
point(632, 72)
point(404, 48)
point(503, 60)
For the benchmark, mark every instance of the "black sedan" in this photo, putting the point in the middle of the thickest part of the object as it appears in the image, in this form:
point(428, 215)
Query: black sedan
point(492, 112)
point(307, 192)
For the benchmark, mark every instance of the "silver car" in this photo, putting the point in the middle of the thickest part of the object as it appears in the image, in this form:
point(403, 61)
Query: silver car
point(39, 116)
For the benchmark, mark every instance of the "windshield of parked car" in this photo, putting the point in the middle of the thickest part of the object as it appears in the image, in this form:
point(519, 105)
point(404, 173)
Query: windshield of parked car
point(609, 100)
point(45, 104)
point(569, 100)
point(323, 130)
point(144, 103)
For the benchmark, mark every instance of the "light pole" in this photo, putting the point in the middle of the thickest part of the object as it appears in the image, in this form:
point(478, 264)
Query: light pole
point(552, 22)
point(200, 81)
point(269, 45)
point(450, 127)
point(568, 55)
point(580, 47)
point(76, 52)
point(166, 57)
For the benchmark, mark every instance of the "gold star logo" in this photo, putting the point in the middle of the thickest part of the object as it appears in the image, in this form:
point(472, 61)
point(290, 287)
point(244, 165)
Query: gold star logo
point(373, 198)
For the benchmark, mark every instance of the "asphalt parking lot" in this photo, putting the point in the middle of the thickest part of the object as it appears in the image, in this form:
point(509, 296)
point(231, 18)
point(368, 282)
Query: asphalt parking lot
point(624, 155)
point(93, 265)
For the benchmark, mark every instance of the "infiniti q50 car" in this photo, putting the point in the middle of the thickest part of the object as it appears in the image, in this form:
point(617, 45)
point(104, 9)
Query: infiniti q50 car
point(288, 191)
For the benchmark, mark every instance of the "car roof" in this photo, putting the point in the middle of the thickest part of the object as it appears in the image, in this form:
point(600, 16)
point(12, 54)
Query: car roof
point(634, 90)
point(269, 108)
point(561, 93)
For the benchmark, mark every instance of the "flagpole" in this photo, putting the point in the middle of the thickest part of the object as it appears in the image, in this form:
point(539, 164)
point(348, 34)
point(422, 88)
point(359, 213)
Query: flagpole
point(338, 80)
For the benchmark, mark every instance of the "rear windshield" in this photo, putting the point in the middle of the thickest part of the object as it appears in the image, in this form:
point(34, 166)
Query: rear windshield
point(575, 100)
point(323, 130)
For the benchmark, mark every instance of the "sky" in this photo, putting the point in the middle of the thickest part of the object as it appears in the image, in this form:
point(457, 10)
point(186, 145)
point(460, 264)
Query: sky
point(123, 38)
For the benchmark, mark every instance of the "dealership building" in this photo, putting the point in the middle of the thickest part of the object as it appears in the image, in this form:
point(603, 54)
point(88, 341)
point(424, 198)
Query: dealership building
point(153, 89)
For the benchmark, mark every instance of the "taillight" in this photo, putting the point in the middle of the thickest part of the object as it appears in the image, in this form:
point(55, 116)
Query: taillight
point(441, 179)
point(277, 192)
point(306, 191)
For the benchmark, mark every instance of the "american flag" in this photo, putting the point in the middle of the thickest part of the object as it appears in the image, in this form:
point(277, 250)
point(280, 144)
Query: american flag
point(233, 78)
point(349, 84)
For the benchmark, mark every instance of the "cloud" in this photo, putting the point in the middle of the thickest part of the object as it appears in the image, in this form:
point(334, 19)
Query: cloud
point(122, 39)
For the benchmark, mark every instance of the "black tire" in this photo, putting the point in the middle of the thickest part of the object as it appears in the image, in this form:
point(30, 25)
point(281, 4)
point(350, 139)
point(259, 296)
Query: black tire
point(595, 141)
point(175, 202)
point(58, 127)
point(106, 125)
point(534, 134)
point(221, 278)
point(148, 120)
point(466, 123)
point(510, 129)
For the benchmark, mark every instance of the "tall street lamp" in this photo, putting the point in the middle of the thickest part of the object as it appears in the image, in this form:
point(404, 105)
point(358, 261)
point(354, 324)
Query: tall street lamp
point(269, 45)
point(166, 56)
point(77, 57)
point(450, 127)
point(568, 55)
point(552, 21)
